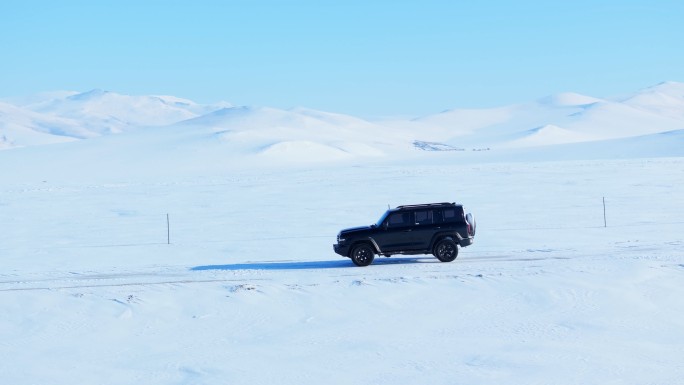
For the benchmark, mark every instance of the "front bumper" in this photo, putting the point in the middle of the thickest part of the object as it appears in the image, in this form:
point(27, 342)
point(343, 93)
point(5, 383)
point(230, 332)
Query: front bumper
point(341, 249)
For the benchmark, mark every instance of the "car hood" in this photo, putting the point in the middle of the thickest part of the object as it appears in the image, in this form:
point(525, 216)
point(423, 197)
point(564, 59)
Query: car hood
point(355, 229)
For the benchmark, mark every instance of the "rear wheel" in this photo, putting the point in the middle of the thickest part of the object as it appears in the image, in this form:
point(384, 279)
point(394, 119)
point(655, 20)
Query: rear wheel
point(446, 250)
point(362, 255)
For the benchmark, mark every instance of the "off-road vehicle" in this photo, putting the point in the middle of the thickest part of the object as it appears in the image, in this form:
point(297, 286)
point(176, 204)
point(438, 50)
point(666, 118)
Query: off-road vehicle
point(435, 228)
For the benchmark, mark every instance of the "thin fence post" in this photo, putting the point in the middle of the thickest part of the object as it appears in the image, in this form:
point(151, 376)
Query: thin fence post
point(168, 230)
point(605, 224)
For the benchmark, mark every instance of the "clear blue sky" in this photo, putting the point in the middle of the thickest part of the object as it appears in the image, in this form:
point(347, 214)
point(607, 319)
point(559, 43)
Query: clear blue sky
point(366, 58)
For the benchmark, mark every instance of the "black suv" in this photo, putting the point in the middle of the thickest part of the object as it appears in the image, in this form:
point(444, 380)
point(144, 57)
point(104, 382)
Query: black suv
point(435, 228)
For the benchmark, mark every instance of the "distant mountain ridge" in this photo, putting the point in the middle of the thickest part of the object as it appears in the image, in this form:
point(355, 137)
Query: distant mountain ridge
point(68, 115)
point(563, 118)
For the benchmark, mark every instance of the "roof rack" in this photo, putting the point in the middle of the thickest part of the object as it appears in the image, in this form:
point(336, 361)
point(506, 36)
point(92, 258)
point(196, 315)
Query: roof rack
point(425, 205)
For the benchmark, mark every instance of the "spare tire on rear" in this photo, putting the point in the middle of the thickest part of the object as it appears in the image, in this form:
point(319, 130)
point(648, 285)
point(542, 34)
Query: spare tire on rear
point(471, 221)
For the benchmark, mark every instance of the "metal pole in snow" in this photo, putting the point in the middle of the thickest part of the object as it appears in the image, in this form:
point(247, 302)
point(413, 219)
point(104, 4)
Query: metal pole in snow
point(168, 230)
point(605, 224)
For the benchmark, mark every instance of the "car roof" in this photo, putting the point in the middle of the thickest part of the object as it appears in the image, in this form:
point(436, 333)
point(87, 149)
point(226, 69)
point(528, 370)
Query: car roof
point(426, 205)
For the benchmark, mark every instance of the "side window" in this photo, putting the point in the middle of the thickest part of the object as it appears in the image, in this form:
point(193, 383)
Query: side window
point(450, 215)
point(438, 216)
point(399, 220)
point(424, 217)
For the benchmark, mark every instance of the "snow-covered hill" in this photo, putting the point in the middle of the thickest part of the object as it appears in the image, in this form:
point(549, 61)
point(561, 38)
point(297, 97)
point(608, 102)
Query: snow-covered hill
point(562, 118)
point(298, 134)
point(21, 127)
point(108, 112)
point(63, 115)
point(665, 99)
point(308, 135)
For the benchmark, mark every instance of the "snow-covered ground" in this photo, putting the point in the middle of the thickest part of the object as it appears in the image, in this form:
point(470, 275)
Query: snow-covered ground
point(249, 291)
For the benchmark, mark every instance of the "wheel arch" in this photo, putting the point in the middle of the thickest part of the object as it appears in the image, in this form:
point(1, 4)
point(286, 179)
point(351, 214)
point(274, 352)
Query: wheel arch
point(439, 236)
point(369, 241)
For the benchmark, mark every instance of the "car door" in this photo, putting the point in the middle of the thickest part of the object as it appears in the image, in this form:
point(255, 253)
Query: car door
point(426, 224)
point(396, 232)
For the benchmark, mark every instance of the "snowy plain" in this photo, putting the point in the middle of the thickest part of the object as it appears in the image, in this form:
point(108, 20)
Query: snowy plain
point(249, 291)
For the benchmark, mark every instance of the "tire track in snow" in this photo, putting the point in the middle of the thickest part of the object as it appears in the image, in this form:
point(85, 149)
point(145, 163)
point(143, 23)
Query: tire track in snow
point(166, 275)
point(124, 284)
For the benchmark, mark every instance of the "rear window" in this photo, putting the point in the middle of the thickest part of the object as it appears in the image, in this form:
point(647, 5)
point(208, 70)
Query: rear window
point(453, 215)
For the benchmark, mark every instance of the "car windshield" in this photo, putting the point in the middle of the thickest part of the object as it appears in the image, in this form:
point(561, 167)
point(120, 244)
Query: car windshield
point(382, 218)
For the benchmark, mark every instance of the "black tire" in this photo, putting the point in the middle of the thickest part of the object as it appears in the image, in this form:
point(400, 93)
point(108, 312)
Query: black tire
point(362, 255)
point(471, 221)
point(446, 250)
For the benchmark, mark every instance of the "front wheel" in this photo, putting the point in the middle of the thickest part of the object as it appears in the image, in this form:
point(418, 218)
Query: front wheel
point(362, 255)
point(446, 250)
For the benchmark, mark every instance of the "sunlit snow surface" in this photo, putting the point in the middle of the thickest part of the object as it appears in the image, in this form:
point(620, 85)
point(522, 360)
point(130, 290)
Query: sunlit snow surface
point(250, 292)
